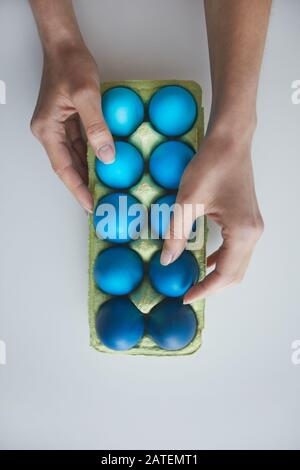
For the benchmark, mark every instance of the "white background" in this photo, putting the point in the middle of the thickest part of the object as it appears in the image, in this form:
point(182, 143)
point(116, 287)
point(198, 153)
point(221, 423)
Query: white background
point(241, 390)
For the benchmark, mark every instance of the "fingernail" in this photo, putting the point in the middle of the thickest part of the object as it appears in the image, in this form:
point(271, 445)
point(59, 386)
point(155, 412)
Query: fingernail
point(106, 153)
point(88, 210)
point(166, 257)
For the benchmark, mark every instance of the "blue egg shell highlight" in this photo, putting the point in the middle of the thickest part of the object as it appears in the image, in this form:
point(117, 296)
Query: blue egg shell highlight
point(125, 171)
point(118, 270)
point(175, 279)
point(171, 324)
point(168, 162)
point(119, 324)
point(172, 110)
point(123, 110)
point(113, 221)
point(159, 220)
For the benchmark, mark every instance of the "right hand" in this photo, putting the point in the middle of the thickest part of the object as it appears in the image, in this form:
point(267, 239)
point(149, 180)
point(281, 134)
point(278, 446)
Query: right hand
point(70, 95)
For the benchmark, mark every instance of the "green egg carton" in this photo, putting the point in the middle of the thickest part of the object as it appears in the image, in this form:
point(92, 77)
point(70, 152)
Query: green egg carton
point(145, 138)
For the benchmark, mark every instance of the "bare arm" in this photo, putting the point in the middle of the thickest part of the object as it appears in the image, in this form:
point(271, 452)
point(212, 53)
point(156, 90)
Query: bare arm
point(69, 94)
point(220, 176)
point(236, 31)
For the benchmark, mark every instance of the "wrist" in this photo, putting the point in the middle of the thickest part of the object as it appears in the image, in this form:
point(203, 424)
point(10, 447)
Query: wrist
point(60, 52)
point(234, 126)
point(61, 44)
point(57, 25)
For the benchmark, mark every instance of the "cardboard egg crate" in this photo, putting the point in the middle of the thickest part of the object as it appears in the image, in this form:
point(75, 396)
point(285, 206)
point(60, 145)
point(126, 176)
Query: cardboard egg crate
point(145, 139)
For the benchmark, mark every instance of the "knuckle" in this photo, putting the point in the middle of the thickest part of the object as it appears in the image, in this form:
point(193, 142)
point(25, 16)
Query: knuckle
point(255, 229)
point(58, 169)
point(260, 226)
point(226, 279)
point(237, 279)
point(250, 230)
point(97, 129)
point(83, 91)
point(172, 231)
point(176, 229)
point(183, 198)
point(229, 278)
point(38, 127)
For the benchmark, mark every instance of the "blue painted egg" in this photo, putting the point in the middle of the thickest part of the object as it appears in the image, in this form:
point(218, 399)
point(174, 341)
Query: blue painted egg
point(119, 218)
point(175, 279)
point(123, 110)
point(172, 110)
point(161, 212)
point(168, 162)
point(126, 169)
point(119, 324)
point(171, 324)
point(118, 270)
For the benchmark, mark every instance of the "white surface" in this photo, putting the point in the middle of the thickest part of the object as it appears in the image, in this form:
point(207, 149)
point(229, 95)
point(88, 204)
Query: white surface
point(241, 390)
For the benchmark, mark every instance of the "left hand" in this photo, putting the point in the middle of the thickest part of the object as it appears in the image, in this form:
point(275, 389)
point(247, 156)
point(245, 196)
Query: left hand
point(69, 96)
point(220, 177)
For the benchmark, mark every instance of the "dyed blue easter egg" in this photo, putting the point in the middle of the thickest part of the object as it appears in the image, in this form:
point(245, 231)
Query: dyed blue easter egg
point(126, 169)
point(175, 279)
point(168, 162)
point(161, 212)
point(172, 110)
point(171, 324)
point(123, 110)
point(117, 220)
point(118, 270)
point(119, 324)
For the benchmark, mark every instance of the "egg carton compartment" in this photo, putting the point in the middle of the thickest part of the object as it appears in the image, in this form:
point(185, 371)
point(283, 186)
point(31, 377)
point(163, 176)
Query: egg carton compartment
point(145, 138)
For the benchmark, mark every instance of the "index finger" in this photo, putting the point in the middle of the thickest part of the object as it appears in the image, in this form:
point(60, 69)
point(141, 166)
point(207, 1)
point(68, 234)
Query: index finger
point(63, 165)
point(179, 231)
point(231, 260)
